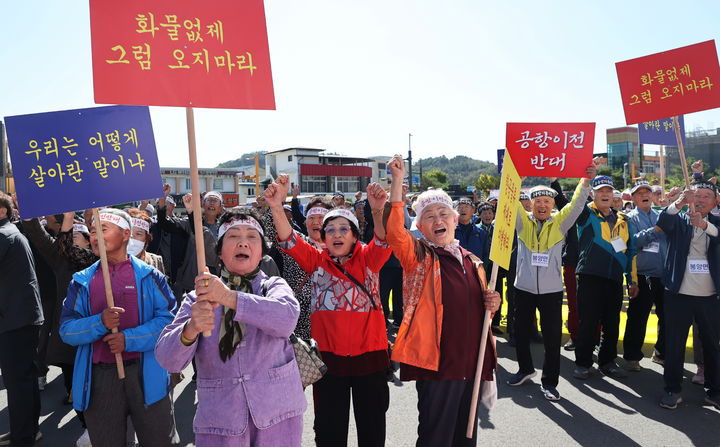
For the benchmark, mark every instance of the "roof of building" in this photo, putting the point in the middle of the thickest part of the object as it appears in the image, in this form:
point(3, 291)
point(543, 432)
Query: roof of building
point(623, 129)
point(295, 149)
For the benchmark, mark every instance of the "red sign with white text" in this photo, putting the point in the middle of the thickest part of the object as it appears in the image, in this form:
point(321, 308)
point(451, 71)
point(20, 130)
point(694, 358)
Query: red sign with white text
point(670, 83)
point(550, 149)
point(190, 53)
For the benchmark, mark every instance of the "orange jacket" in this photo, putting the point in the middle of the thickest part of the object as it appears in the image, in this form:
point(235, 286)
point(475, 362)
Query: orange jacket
point(418, 339)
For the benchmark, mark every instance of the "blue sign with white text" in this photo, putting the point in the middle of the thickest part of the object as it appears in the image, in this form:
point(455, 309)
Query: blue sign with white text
point(661, 132)
point(84, 158)
point(501, 155)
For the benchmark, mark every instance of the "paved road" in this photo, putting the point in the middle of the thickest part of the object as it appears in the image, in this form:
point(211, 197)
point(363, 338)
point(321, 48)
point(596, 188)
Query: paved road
point(600, 411)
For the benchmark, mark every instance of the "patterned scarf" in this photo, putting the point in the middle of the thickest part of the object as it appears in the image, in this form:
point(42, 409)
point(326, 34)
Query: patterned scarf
point(453, 248)
point(231, 331)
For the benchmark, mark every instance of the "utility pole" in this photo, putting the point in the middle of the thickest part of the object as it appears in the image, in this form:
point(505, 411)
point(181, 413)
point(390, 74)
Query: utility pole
point(420, 179)
point(410, 177)
point(257, 175)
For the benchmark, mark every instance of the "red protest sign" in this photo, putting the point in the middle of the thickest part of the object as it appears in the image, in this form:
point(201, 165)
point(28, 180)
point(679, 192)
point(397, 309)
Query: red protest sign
point(550, 149)
point(209, 53)
point(670, 83)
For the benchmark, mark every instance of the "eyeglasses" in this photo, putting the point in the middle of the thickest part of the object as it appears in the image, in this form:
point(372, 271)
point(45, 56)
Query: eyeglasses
point(342, 230)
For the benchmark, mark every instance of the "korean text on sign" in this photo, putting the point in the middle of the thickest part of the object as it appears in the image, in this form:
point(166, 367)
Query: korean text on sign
point(660, 131)
point(550, 149)
point(670, 83)
point(83, 158)
point(504, 232)
point(209, 53)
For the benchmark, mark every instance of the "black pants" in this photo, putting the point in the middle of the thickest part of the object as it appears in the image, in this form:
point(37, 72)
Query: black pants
point(444, 408)
point(651, 292)
point(20, 375)
point(680, 312)
point(44, 337)
point(511, 307)
point(67, 372)
point(391, 278)
point(599, 301)
point(550, 306)
point(370, 400)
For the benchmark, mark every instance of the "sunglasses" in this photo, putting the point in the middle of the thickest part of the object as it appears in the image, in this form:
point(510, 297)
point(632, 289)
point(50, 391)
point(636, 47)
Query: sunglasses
point(342, 230)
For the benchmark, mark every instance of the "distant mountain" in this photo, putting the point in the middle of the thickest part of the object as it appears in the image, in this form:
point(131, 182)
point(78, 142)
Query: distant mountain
point(244, 160)
point(461, 170)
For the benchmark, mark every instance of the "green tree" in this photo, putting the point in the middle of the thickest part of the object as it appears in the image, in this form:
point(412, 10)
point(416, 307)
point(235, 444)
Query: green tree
point(435, 179)
point(487, 182)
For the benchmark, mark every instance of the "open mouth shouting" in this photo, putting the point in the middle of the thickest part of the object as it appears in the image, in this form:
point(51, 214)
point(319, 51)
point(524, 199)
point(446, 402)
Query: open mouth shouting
point(242, 255)
point(315, 232)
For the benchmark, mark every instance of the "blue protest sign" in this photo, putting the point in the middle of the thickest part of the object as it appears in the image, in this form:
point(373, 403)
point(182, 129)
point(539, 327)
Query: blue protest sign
point(83, 158)
point(660, 132)
point(501, 155)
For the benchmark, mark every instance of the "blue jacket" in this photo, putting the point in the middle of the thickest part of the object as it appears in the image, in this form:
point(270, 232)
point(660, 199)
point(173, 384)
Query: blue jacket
point(642, 226)
point(679, 234)
point(79, 327)
point(597, 256)
point(474, 239)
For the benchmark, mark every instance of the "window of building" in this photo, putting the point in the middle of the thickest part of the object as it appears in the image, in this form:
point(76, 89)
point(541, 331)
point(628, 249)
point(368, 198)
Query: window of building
point(217, 184)
point(649, 167)
point(188, 184)
point(619, 154)
point(289, 157)
point(251, 191)
point(313, 183)
point(347, 184)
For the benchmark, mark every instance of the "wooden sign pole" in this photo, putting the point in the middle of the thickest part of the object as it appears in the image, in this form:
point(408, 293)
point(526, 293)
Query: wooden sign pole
point(197, 209)
point(662, 172)
point(481, 358)
point(681, 152)
point(106, 280)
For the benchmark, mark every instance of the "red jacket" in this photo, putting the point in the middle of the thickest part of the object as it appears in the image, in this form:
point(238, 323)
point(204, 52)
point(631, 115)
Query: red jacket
point(343, 320)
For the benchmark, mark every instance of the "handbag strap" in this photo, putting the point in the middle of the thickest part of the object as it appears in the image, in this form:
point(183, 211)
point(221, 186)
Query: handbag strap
point(357, 283)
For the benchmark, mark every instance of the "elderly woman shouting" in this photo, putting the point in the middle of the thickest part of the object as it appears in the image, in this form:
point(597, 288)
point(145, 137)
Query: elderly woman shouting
point(347, 318)
point(445, 297)
point(249, 389)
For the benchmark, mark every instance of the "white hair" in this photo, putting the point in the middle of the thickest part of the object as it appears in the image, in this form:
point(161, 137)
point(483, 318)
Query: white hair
point(431, 197)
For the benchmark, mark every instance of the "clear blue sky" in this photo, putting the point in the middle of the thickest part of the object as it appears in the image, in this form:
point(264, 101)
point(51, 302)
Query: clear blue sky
point(356, 77)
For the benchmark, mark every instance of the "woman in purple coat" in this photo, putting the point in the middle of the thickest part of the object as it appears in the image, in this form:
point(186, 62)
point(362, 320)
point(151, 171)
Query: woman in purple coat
point(248, 383)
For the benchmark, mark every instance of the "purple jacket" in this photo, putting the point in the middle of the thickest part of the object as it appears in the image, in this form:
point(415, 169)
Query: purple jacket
point(261, 379)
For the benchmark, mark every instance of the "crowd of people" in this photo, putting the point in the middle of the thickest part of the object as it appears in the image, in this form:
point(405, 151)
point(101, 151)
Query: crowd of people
point(390, 280)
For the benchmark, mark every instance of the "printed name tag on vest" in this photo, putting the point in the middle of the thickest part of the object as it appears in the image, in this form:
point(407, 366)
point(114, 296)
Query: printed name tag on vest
point(698, 266)
point(540, 259)
point(618, 244)
point(652, 247)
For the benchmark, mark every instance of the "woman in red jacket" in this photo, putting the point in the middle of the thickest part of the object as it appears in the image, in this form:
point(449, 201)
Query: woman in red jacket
point(346, 317)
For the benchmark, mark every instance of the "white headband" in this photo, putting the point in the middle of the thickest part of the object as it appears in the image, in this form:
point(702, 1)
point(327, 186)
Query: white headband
point(240, 222)
point(424, 202)
point(80, 228)
point(317, 211)
point(215, 194)
point(140, 224)
point(115, 219)
point(341, 212)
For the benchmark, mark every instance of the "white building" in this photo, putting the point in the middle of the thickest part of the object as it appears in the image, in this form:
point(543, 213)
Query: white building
point(317, 171)
point(225, 181)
